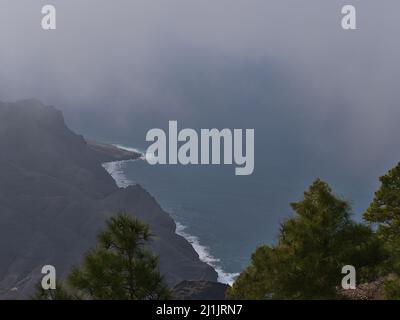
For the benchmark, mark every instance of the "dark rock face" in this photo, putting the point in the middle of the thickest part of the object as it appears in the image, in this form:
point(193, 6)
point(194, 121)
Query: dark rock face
point(199, 290)
point(55, 197)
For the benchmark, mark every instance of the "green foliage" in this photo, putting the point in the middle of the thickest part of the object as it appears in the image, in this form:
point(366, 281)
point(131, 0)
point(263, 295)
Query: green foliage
point(258, 281)
point(60, 293)
point(120, 267)
point(312, 248)
point(391, 288)
point(384, 212)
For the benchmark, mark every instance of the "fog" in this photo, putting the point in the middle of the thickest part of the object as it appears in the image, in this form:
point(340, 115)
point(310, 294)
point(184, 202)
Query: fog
point(323, 101)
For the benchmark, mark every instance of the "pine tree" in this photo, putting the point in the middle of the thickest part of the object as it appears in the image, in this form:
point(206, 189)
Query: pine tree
point(120, 267)
point(312, 248)
point(384, 212)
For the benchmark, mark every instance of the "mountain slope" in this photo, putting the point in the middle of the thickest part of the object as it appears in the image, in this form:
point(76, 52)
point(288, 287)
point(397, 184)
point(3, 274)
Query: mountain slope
point(55, 196)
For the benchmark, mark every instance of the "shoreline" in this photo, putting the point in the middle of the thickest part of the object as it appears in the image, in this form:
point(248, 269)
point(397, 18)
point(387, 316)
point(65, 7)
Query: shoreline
point(115, 169)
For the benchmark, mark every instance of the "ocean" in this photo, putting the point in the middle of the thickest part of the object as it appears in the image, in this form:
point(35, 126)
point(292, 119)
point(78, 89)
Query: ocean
point(206, 214)
point(225, 217)
point(127, 173)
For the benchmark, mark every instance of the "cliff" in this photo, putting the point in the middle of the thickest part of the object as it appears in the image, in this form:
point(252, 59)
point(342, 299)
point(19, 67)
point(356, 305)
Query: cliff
point(55, 197)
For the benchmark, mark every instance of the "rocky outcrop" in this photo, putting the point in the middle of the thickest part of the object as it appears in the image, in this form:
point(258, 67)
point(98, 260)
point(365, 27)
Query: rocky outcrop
point(55, 196)
point(108, 153)
point(199, 290)
point(373, 290)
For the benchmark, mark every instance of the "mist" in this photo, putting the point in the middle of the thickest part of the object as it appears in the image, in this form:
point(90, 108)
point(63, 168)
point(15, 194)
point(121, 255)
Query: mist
point(323, 101)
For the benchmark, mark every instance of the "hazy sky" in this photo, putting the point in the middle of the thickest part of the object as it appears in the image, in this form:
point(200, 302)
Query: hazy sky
point(322, 99)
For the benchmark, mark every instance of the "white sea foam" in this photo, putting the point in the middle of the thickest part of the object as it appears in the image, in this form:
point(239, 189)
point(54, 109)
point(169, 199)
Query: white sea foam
point(205, 255)
point(116, 170)
point(123, 147)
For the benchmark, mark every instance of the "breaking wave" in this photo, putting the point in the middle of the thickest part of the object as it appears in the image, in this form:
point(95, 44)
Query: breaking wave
point(116, 170)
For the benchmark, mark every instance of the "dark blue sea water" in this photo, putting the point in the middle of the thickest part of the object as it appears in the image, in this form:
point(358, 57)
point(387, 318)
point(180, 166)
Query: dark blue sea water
point(213, 209)
point(225, 217)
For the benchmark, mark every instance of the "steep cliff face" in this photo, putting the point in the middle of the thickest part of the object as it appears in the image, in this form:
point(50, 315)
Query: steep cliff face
point(55, 197)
